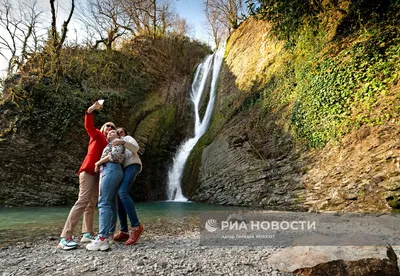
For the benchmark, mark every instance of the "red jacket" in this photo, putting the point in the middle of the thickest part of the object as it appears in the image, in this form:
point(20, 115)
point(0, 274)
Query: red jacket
point(96, 145)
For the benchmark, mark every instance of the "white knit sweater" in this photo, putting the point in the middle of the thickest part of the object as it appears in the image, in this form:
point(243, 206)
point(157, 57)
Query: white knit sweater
point(131, 152)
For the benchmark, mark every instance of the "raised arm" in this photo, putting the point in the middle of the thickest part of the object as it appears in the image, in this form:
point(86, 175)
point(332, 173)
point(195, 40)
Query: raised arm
point(89, 124)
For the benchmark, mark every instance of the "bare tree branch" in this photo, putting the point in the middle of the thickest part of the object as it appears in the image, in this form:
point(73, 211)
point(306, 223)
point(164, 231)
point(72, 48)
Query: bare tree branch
point(230, 11)
point(64, 28)
point(18, 23)
point(53, 22)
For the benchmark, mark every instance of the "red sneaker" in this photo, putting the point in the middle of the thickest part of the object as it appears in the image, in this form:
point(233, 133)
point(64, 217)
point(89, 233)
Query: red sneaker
point(134, 235)
point(121, 236)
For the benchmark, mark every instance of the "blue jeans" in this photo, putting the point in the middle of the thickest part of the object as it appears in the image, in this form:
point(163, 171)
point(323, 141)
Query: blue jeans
point(110, 181)
point(125, 202)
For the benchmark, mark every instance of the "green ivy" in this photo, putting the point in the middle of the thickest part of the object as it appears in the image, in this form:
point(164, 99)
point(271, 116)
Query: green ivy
point(334, 88)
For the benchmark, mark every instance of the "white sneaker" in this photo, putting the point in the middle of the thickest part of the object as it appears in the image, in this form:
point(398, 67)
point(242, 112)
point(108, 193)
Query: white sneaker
point(98, 244)
point(111, 239)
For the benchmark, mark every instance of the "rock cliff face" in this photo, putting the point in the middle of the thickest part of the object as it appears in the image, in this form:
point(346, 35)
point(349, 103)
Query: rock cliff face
point(249, 156)
point(251, 165)
point(362, 173)
point(159, 134)
point(235, 172)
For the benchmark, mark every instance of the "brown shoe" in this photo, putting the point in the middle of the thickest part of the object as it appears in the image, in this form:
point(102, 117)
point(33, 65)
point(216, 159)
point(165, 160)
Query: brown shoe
point(134, 235)
point(121, 236)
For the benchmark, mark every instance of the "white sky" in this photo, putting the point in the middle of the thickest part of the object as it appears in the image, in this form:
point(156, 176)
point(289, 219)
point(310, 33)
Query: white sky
point(191, 10)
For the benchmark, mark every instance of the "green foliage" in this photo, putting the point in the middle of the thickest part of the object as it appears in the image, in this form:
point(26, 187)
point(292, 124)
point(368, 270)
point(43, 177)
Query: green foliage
point(286, 16)
point(97, 69)
point(336, 87)
point(394, 202)
point(166, 56)
point(55, 115)
point(87, 75)
point(182, 52)
point(325, 88)
point(123, 78)
point(278, 90)
point(363, 12)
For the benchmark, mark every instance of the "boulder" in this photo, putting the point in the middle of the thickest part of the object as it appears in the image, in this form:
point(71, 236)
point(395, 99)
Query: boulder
point(335, 260)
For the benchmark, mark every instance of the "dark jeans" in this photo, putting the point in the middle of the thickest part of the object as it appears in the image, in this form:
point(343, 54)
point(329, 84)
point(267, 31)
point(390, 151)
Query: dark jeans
point(125, 202)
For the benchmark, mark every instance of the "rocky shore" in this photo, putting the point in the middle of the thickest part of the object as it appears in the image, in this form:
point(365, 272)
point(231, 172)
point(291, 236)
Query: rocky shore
point(171, 247)
point(163, 249)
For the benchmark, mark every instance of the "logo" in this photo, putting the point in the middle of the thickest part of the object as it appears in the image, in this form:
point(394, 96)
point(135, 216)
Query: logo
point(211, 225)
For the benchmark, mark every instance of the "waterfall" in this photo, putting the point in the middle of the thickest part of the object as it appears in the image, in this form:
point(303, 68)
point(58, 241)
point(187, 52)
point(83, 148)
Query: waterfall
point(209, 68)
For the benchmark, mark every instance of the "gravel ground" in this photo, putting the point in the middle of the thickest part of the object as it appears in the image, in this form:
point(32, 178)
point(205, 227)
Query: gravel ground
point(163, 249)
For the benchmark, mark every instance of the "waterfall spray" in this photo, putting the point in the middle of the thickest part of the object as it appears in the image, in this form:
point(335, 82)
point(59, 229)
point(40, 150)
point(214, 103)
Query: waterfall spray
point(212, 64)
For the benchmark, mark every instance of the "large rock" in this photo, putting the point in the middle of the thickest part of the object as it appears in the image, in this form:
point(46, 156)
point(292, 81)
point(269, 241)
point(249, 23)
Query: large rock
point(332, 260)
point(367, 267)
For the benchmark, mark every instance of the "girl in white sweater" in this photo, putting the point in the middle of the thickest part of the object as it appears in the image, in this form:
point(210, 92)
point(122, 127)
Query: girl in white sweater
point(132, 166)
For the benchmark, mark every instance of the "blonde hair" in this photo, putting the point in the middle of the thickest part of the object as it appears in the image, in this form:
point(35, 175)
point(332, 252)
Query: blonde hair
point(103, 128)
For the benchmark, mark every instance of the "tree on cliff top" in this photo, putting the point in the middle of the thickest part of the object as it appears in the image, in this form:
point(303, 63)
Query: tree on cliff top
point(57, 40)
point(19, 23)
point(110, 20)
point(231, 12)
point(223, 16)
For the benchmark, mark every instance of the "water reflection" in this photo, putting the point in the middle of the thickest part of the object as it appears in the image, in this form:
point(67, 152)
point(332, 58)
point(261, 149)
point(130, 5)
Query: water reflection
point(28, 223)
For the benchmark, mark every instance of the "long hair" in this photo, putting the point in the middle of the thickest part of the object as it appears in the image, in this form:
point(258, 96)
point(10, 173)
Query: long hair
point(103, 128)
point(124, 129)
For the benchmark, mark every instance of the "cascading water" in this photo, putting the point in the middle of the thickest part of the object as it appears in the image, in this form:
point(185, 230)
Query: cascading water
point(212, 64)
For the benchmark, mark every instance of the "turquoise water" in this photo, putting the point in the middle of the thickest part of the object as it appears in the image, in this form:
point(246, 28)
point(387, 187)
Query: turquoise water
point(21, 224)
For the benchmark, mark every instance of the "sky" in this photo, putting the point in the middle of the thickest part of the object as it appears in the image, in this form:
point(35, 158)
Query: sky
point(191, 10)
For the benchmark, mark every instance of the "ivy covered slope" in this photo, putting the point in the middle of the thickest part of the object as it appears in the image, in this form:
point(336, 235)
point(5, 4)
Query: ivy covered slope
point(310, 122)
point(43, 141)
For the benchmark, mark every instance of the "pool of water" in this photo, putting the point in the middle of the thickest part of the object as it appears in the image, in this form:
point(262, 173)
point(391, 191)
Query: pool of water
point(25, 223)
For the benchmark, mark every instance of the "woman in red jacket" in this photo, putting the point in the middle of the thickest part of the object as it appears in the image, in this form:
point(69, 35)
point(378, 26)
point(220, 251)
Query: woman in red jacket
point(88, 183)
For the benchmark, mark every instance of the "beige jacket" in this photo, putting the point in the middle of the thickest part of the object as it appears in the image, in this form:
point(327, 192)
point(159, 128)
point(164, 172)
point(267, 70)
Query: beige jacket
point(131, 152)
